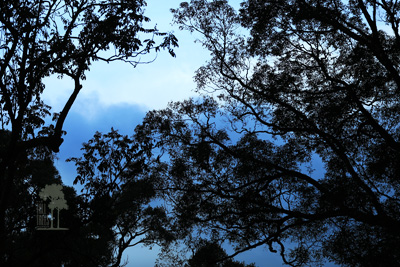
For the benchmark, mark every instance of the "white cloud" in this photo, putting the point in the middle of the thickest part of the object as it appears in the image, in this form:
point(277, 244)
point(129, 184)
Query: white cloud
point(150, 86)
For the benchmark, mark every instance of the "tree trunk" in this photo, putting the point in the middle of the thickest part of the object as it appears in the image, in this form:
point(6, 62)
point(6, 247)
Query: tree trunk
point(58, 218)
point(51, 225)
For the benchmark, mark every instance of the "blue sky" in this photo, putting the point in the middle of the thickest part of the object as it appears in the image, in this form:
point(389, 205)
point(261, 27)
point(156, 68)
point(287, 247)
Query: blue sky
point(118, 95)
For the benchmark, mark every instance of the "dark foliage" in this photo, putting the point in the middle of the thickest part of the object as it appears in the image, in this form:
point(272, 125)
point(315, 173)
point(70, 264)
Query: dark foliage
point(27, 246)
point(213, 255)
point(58, 38)
point(296, 81)
point(112, 214)
point(118, 193)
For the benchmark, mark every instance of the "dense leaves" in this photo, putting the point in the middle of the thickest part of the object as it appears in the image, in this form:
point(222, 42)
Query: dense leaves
point(113, 212)
point(27, 246)
point(300, 85)
point(118, 193)
point(213, 255)
point(58, 38)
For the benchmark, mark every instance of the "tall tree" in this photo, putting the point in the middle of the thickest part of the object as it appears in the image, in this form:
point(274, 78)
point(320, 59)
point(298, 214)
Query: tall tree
point(39, 39)
point(296, 81)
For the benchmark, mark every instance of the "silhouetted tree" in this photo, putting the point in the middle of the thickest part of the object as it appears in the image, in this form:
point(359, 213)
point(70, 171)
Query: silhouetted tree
point(118, 190)
point(111, 215)
point(58, 38)
point(297, 82)
point(213, 255)
point(25, 245)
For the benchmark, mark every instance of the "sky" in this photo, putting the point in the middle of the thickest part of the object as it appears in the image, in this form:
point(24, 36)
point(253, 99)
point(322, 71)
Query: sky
point(118, 95)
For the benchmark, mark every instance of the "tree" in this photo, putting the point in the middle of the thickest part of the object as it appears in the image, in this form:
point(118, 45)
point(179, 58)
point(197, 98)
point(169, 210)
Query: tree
point(60, 204)
point(119, 193)
point(297, 82)
point(99, 229)
point(213, 255)
point(25, 246)
point(39, 39)
point(57, 201)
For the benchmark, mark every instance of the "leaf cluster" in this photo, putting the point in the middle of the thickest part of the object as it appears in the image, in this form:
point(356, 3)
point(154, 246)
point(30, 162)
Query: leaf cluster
point(296, 81)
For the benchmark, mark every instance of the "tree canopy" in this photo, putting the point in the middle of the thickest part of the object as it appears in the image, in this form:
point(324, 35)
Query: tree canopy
point(294, 83)
point(118, 192)
point(112, 213)
point(25, 245)
point(60, 38)
point(213, 255)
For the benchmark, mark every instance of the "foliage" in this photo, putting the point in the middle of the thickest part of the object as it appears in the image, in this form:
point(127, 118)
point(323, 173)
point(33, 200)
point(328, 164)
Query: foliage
point(296, 81)
point(59, 38)
point(118, 192)
point(27, 246)
point(113, 212)
point(213, 255)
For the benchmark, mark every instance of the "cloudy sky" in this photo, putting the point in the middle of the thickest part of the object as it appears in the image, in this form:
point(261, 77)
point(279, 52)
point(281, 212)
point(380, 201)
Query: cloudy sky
point(118, 95)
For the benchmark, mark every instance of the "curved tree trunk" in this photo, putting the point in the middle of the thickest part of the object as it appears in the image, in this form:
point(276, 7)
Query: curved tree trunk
point(51, 225)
